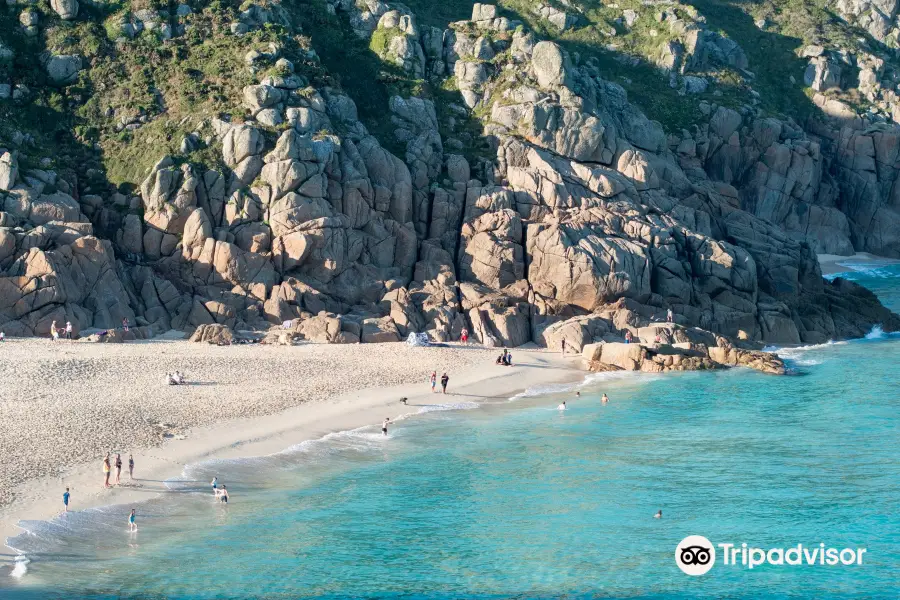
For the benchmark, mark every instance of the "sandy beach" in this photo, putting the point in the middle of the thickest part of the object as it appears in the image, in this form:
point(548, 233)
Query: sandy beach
point(64, 405)
point(833, 264)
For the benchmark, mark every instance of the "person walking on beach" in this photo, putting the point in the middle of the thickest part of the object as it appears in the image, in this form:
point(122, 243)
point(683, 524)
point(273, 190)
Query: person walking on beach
point(68, 330)
point(66, 499)
point(384, 425)
point(564, 346)
point(433, 381)
point(444, 381)
point(464, 336)
point(215, 485)
point(130, 467)
point(132, 526)
point(54, 332)
point(118, 467)
point(106, 471)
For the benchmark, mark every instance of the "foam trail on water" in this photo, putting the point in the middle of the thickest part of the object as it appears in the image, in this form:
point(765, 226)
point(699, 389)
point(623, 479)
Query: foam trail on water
point(443, 407)
point(878, 271)
point(590, 379)
point(808, 362)
point(783, 351)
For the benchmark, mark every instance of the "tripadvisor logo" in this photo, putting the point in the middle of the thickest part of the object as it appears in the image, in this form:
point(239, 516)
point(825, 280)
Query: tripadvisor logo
point(696, 555)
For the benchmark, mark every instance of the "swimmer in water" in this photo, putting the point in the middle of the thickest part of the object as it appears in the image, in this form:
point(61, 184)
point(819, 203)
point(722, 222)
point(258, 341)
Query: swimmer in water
point(604, 399)
point(658, 515)
point(132, 526)
point(578, 394)
point(562, 406)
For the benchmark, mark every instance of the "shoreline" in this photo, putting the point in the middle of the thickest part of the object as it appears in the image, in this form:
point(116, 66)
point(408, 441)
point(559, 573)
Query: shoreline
point(41, 498)
point(831, 263)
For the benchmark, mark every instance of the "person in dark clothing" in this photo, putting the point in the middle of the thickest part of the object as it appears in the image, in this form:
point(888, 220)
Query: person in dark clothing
point(444, 380)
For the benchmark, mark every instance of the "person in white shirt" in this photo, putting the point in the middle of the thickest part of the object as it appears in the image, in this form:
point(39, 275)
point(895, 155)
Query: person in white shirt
point(562, 406)
point(68, 330)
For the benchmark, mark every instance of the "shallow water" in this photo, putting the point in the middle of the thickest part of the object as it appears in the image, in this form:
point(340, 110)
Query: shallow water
point(520, 499)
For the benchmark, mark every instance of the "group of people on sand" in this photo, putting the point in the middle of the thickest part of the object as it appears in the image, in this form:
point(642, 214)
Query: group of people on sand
point(445, 379)
point(56, 332)
point(603, 400)
point(108, 465)
point(176, 378)
point(66, 331)
point(505, 359)
point(220, 492)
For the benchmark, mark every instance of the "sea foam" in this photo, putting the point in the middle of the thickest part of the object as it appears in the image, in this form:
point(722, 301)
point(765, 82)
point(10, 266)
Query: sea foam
point(20, 568)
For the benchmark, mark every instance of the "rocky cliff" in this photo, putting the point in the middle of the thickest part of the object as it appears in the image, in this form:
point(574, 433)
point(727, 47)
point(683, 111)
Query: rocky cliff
point(505, 185)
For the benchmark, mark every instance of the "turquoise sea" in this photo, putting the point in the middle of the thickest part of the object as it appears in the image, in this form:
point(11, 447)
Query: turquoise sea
point(516, 499)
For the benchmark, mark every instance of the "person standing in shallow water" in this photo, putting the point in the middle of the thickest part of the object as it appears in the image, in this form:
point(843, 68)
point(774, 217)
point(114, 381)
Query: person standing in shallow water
point(384, 425)
point(132, 526)
point(445, 379)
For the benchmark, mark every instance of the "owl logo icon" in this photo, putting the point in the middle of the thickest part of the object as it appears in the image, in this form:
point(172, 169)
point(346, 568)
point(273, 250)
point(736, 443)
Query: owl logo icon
point(695, 555)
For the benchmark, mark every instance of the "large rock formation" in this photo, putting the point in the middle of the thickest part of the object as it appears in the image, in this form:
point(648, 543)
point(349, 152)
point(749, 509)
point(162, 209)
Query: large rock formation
point(587, 222)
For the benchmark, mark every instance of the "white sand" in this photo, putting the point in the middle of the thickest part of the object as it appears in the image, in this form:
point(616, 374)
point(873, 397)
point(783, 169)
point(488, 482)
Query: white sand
point(64, 405)
point(831, 263)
